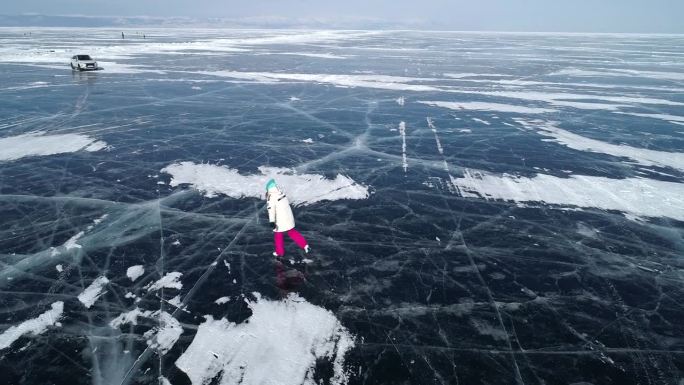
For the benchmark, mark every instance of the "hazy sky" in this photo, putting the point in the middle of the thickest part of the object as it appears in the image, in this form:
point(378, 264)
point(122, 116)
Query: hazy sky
point(506, 15)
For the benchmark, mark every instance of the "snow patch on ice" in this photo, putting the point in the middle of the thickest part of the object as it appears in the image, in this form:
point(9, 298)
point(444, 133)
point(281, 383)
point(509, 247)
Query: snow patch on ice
point(486, 329)
point(669, 118)
point(33, 326)
point(482, 106)
point(59, 268)
point(309, 54)
point(175, 301)
point(402, 133)
point(279, 344)
point(164, 336)
point(99, 220)
point(662, 75)
point(71, 242)
point(222, 300)
point(642, 197)
point(41, 144)
point(134, 272)
point(384, 82)
point(472, 75)
point(93, 292)
point(170, 280)
point(123, 68)
point(308, 141)
point(640, 155)
point(582, 101)
point(130, 317)
point(302, 189)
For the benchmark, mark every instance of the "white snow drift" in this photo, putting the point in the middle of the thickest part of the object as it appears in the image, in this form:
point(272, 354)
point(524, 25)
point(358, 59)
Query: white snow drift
point(41, 144)
point(641, 197)
point(33, 326)
point(301, 189)
point(279, 344)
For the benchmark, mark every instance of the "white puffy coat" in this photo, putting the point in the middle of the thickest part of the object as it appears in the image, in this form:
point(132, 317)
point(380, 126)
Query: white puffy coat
point(279, 210)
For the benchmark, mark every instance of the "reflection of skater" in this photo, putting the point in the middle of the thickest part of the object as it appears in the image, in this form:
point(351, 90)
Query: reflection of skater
point(288, 280)
point(281, 219)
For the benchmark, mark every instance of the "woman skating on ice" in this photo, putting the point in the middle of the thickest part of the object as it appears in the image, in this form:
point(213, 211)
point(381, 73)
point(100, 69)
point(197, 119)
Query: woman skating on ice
point(281, 219)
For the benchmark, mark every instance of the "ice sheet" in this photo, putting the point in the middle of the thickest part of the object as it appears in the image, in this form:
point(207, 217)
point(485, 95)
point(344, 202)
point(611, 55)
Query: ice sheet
point(442, 274)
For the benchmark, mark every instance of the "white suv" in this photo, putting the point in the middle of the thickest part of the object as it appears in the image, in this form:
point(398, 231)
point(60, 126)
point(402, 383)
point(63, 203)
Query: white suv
point(83, 63)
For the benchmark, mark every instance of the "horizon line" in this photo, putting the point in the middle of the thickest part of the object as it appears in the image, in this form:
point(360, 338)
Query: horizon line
point(206, 23)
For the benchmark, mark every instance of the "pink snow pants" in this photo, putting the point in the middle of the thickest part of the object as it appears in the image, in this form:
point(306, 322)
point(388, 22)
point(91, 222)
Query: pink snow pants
point(280, 244)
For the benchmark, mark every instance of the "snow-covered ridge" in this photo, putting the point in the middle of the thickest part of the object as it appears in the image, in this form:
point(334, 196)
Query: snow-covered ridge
point(637, 196)
point(279, 345)
point(301, 189)
point(41, 144)
point(33, 326)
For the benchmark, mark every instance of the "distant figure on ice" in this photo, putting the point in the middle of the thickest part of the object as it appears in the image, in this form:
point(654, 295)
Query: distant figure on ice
point(281, 219)
point(122, 35)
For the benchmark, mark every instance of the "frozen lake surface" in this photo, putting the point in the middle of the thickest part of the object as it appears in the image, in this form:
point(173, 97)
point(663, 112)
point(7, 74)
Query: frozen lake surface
point(483, 208)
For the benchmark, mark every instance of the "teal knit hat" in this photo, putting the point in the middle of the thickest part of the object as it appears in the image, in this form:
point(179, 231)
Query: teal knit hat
point(270, 184)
